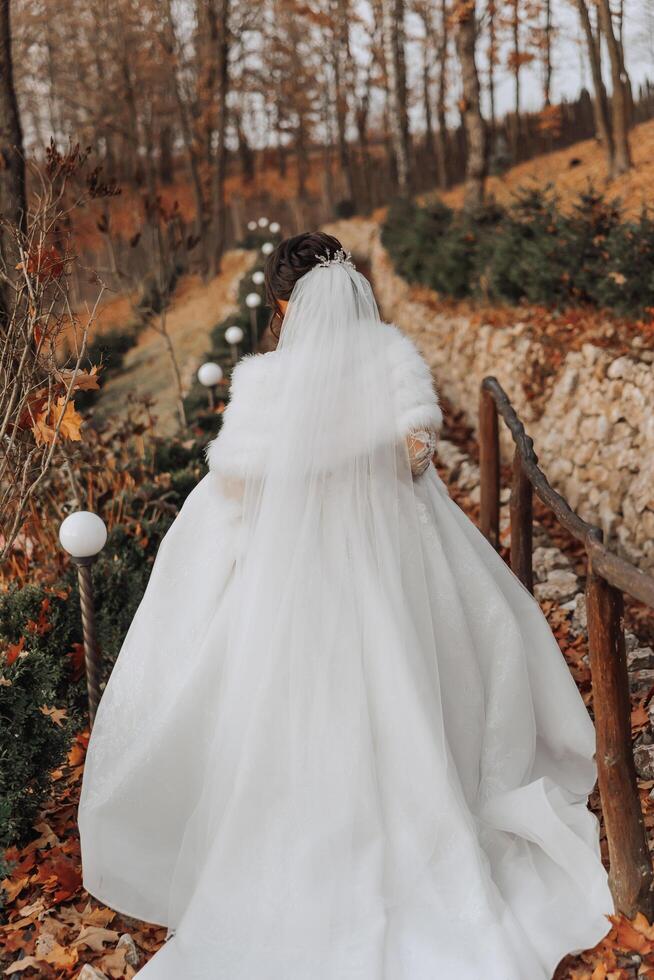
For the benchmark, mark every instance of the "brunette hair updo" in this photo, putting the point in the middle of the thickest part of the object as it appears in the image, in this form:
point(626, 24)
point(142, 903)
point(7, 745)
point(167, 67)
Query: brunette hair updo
point(291, 260)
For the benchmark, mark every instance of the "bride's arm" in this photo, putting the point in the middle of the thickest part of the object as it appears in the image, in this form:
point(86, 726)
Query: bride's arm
point(421, 444)
point(418, 413)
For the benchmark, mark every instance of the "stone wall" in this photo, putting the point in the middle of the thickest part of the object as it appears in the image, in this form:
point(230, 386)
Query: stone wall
point(592, 423)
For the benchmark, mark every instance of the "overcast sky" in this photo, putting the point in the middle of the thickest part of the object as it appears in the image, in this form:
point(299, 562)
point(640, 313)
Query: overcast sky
point(570, 63)
point(569, 58)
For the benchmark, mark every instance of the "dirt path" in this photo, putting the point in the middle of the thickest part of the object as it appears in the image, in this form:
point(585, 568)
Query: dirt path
point(195, 310)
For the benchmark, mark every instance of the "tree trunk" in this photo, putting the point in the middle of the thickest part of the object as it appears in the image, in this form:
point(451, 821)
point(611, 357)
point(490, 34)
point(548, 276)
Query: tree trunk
point(166, 157)
point(600, 102)
point(426, 99)
point(104, 130)
point(361, 118)
point(12, 172)
point(547, 80)
point(515, 33)
point(172, 50)
point(619, 101)
point(475, 130)
point(302, 158)
point(341, 62)
point(220, 10)
point(623, 69)
point(492, 63)
point(393, 40)
point(327, 144)
point(441, 102)
point(245, 151)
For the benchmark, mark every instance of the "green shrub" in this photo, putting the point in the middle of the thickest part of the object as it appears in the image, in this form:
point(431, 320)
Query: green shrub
point(524, 258)
point(587, 234)
point(107, 352)
point(173, 454)
point(344, 209)
point(110, 347)
point(155, 294)
point(627, 285)
point(529, 251)
point(32, 743)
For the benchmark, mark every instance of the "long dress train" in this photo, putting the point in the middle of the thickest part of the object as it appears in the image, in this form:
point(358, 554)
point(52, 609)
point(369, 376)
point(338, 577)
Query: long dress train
point(340, 740)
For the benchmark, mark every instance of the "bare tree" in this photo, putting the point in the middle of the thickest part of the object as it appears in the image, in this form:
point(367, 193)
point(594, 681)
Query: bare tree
point(491, 10)
point(341, 58)
point(37, 383)
point(173, 51)
point(619, 94)
point(547, 54)
point(475, 129)
point(516, 64)
point(12, 171)
point(426, 85)
point(603, 126)
point(441, 101)
point(398, 120)
point(220, 18)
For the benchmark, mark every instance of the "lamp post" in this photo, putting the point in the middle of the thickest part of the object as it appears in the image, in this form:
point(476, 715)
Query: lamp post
point(267, 248)
point(253, 302)
point(83, 535)
point(234, 336)
point(210, 374)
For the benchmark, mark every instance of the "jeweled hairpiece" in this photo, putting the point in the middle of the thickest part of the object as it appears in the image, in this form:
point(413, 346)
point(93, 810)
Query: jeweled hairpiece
point(340, 257)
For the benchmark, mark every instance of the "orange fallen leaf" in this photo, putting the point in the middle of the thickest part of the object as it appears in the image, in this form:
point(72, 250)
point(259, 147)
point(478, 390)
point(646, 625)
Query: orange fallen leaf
point(58, 715)
point(639, 717)
point(95, 937)
point(70, 421)
point(13, 650)
point(12, 889)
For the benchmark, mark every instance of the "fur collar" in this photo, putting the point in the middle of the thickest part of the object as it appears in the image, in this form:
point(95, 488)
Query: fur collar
point(243, 443)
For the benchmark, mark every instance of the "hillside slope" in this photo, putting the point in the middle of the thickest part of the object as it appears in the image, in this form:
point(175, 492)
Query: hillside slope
point(573, 169)
point(195, 310)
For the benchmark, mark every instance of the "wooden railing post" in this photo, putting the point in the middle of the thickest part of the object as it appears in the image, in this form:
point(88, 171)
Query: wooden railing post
point(630, 876)
point(609, 576)
point(489, 468)
point(521, 509)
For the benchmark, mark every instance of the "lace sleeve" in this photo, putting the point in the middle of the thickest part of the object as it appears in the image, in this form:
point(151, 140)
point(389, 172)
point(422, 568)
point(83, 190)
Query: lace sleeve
point(421, 444)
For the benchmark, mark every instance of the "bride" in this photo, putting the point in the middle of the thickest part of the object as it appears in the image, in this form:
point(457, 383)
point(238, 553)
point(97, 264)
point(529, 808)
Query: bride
point(340, 741)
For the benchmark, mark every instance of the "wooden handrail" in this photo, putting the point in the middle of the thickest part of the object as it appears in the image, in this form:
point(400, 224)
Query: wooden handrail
point(608, 576)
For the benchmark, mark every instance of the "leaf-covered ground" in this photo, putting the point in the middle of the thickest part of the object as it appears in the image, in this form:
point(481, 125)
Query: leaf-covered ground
point(572, 170)
point(54, 929)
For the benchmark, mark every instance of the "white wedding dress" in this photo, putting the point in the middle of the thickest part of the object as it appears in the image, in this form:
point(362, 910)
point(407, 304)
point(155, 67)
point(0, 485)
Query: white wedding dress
point(340, 741)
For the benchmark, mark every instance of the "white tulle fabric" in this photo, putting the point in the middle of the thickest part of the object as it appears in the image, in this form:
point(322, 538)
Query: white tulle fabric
point(340, 742)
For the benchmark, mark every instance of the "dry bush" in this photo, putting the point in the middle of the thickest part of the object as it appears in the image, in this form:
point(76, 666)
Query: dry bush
point(42, 339)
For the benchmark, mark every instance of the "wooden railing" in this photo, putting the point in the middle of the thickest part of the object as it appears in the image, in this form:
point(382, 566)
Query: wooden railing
point(608, 578)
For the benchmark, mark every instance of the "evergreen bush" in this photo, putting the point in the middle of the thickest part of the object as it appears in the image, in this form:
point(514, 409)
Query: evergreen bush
point(531, 250)
point(344, 209)
point(36, 633)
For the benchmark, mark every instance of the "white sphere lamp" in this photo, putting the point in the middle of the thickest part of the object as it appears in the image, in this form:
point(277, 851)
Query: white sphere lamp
point(274, 227)
point(252, 300)
point(233, 335)
point(83, 534)
point(267, 248)
point(258, 278)
point(263, 222)
point(210, 374)
point(252, 226)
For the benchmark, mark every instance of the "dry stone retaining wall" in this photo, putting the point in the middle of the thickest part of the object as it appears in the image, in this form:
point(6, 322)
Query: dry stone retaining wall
point(593, 428)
